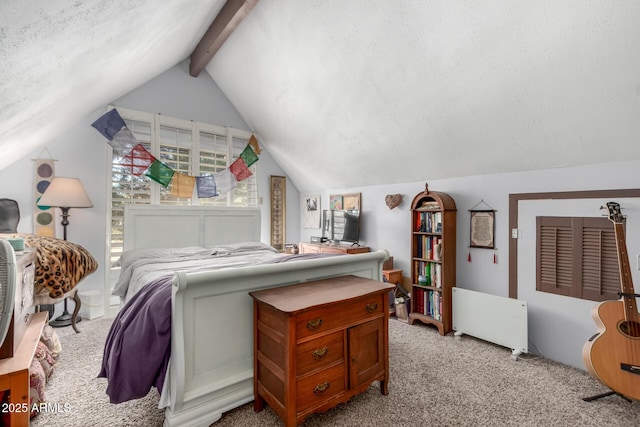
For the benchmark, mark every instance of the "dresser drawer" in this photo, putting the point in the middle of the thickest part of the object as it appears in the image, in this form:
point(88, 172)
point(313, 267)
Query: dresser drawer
point(321, 352)
point(323, 319)
point(318, 388)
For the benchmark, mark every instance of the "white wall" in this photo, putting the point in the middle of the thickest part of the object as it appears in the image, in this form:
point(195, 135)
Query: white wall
point(82, 152)
point(558, 326)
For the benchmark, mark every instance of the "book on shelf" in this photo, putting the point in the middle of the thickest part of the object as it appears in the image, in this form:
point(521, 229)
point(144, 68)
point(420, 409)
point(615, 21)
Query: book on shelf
point(428, 303)
point(431, 270)
point(429, 222)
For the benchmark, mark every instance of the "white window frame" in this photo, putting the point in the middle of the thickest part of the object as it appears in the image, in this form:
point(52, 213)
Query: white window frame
point(157, 121)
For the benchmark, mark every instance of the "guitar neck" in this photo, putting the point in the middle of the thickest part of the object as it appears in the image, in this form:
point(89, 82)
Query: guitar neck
point(626, 282)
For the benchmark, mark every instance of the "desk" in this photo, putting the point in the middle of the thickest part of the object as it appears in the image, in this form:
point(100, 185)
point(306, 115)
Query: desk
point(14, 371)
point(324, 248)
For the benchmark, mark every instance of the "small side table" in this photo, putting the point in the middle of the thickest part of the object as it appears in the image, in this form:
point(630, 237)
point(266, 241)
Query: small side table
point(14, 372)
point(401, 311)
point(392, 276)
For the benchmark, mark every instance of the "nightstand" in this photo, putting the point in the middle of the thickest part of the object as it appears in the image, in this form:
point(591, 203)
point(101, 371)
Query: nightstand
point(392, 276)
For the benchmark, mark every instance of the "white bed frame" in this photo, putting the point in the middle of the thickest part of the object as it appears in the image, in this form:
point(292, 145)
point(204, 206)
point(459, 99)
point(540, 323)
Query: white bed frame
point(211, 367)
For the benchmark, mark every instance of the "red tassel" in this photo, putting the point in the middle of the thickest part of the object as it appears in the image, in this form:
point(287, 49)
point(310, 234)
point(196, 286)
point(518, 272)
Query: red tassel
point(495, 261)
point(469, 257)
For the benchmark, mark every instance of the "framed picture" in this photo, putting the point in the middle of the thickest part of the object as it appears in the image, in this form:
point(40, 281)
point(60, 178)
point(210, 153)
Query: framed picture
point(351, 202)
point(311, 211)
point(278, 211)
point(482, 229)
point(335, 202)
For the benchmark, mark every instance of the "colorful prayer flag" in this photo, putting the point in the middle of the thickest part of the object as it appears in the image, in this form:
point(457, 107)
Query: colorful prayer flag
point(109, 124)
point(123, 142)
point(239, 169)
point(182, 185)
point(138, 160)
point(225, 181)
point(206, 186)
point(160, 173)
point(249, 156)
point(253, 142)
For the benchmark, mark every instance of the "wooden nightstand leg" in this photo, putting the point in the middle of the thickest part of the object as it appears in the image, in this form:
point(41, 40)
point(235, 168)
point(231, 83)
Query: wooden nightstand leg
point(384, 387)
point(19, 398)
point(258, 403)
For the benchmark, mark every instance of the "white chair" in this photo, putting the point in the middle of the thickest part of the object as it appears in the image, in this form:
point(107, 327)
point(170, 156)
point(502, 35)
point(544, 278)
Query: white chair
point(7, 287)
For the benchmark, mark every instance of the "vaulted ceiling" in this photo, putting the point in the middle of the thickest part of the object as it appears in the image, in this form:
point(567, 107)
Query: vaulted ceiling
point(351, 93)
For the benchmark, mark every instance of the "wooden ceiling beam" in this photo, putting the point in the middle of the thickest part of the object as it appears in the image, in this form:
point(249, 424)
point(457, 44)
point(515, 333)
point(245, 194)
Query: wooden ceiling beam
point(230, 16)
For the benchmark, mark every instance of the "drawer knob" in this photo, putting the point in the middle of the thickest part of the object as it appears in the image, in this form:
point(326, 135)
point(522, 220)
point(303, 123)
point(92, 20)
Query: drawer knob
point(321, 388)
point(319, 353)
point(313, 325)
point(371, 307)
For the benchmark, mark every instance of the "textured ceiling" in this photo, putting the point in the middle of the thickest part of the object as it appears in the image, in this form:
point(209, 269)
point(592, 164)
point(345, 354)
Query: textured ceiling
point(350, 93)
point(61, 60)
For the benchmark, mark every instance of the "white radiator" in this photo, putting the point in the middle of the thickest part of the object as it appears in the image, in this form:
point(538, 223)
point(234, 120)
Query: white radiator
point(492, 318)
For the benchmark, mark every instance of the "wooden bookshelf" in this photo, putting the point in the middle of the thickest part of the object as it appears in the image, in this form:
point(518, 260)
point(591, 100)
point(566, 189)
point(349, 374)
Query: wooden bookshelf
point(433, 255)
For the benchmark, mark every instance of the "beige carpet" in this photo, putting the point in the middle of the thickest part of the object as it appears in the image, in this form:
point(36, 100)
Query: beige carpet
point(434, 381)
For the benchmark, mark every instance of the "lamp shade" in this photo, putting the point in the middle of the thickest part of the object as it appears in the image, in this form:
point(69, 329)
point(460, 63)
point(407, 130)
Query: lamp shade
point(65, 193)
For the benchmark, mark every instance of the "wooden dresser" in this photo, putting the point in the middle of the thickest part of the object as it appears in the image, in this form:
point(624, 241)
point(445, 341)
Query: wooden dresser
point(324, 248)
point(317, 344)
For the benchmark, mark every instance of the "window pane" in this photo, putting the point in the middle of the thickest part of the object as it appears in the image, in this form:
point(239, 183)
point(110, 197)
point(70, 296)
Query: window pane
point(213, 158)
point(175, 152)
point(127, 188)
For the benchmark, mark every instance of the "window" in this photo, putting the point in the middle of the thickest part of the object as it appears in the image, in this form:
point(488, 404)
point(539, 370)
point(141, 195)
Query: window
point(577, 257)
point(188, 147)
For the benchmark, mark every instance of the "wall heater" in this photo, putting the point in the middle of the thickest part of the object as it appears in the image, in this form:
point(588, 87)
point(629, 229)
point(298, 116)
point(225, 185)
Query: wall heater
point(492, 318)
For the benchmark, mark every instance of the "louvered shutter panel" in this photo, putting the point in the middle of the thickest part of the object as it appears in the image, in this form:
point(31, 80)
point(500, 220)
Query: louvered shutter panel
point(577, 257)
point(555, 255)
point(600, 273)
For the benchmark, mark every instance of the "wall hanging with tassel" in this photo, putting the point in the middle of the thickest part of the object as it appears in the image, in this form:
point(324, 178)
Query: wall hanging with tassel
point(482, 229)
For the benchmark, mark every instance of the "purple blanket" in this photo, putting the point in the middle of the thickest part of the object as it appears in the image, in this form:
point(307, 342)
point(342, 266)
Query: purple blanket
point(138, 346)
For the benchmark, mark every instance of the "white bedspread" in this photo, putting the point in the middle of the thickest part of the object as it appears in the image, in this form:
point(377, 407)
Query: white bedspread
point(141, 266)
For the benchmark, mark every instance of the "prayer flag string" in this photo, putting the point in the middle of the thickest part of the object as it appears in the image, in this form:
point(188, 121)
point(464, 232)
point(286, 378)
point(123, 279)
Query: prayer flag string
point(139, 161)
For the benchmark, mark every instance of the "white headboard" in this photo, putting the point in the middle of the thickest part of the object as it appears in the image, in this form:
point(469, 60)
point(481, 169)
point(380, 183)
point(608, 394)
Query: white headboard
point(160, 226)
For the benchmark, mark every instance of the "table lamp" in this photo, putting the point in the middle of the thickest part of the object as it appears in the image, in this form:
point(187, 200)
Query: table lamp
point(65, 193)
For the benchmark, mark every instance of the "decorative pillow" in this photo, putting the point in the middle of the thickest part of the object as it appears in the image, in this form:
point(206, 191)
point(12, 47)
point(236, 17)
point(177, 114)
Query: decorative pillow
point(60, 264)
point(241, 247)
point(37, 381)
point(46, 359)
point(51, 340)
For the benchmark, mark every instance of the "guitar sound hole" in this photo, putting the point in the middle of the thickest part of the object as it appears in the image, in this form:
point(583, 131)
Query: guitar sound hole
point(631, 329)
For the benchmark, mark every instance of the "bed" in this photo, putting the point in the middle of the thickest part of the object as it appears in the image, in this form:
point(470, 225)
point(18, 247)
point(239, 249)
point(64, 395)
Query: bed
point(210, 369)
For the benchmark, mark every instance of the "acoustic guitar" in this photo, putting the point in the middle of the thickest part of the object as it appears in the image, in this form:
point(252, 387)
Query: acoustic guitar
point(612, 355)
